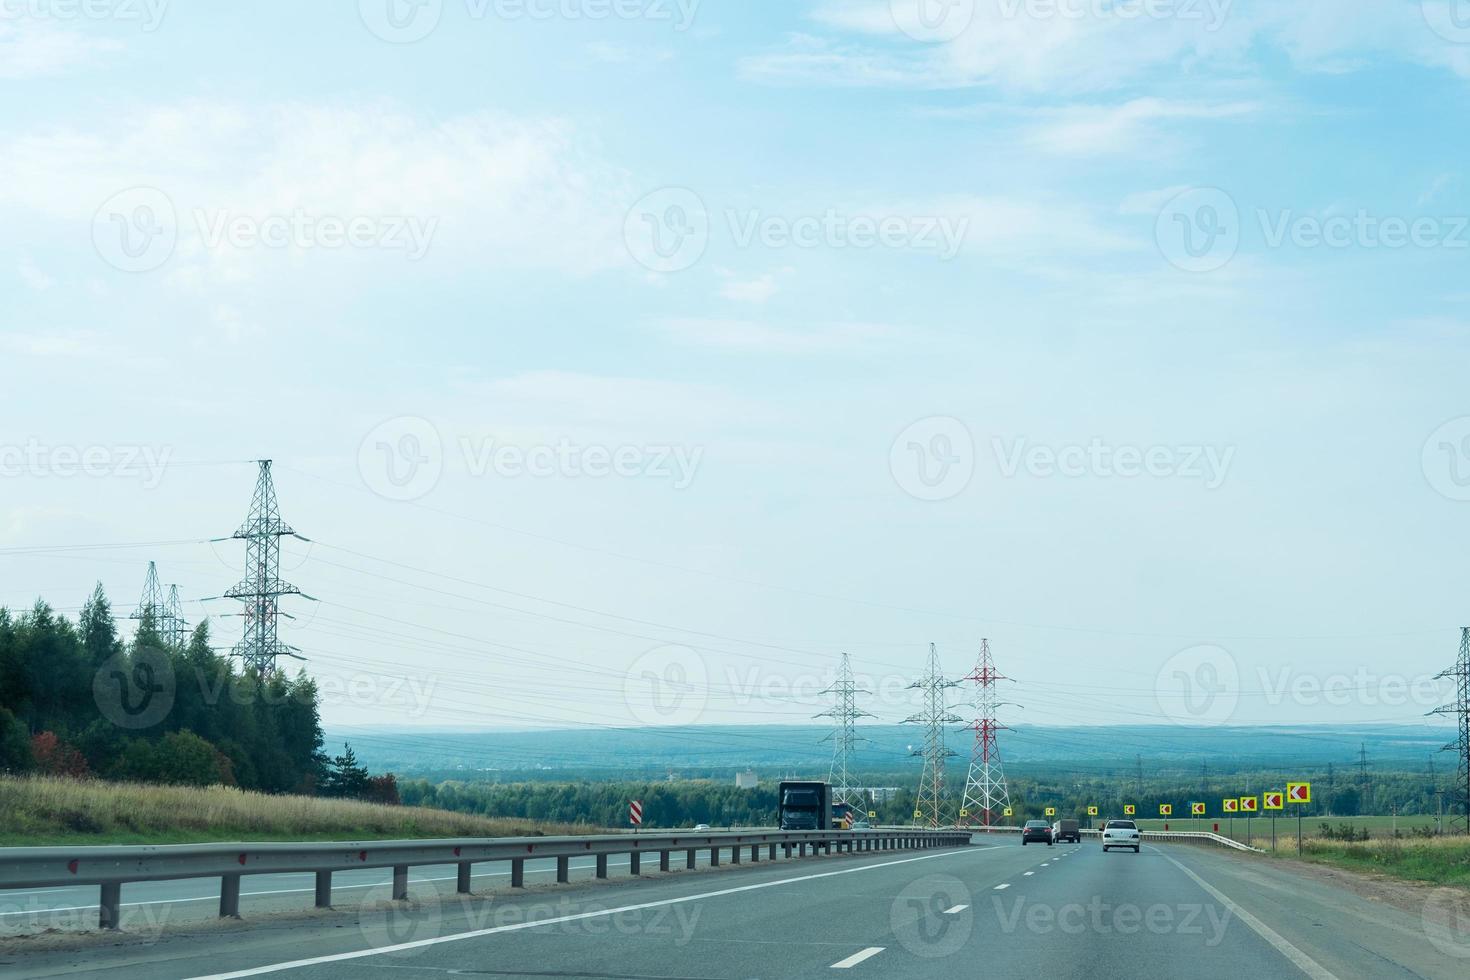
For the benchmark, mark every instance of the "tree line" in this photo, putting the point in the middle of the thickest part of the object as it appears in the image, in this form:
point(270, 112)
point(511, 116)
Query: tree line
point(77, 700)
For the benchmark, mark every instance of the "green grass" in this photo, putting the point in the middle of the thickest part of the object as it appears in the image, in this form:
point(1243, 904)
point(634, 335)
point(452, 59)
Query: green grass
point(1260, 826)
point(1439, 861)
point(43, 810)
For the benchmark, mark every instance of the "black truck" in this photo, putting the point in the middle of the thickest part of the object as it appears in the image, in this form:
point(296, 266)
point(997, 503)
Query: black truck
point(804, 806)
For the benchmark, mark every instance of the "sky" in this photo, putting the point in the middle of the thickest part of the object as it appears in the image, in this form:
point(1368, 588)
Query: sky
point(627, 361)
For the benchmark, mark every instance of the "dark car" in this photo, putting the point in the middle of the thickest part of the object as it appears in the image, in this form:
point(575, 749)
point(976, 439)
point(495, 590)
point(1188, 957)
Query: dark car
point(1036, 831)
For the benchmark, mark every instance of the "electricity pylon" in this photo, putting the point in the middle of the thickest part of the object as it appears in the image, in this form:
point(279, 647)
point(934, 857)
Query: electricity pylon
point(176, 629)
point(985, 788)
point(152, 607)
point(844, 737)
point(1460, 674)
point(929, 805)
point(263, 587)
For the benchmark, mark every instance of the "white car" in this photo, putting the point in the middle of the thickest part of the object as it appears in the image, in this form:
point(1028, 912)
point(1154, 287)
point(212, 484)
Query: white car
point(1121, 833)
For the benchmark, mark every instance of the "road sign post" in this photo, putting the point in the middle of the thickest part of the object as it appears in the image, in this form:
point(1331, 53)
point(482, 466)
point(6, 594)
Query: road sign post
point(1299, 795)
point(1275, 801)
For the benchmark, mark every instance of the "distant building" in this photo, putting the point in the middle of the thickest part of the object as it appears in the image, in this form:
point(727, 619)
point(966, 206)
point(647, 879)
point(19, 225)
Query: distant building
point(747, 780)
point(879, 794)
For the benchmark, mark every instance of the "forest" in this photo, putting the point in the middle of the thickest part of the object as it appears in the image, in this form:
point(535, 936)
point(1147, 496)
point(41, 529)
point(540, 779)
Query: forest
point(78, 700)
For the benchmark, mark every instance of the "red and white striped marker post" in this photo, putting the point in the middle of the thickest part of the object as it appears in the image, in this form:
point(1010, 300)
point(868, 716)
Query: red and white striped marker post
point(635, 814)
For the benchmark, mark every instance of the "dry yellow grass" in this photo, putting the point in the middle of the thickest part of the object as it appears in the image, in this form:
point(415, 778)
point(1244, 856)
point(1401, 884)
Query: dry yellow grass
point(38, 810)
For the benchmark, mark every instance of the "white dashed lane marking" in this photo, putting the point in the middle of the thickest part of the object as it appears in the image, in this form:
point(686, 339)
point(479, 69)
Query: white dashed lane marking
point(857, 958)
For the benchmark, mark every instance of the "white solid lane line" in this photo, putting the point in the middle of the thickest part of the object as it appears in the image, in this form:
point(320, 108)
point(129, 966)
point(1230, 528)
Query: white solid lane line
point(857, 958)
point(948, 854)
point(1303, 962)
point(956, 910)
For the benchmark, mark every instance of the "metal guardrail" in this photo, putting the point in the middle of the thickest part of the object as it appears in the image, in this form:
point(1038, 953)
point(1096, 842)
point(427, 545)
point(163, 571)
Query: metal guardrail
point(110, 868)
point(1203, 837)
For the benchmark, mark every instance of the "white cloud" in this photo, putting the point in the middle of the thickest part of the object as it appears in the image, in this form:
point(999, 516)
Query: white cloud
point(1085, 130)
point(757, 290)
point(520, 193)
point(38, 48)
point(33, 275)
point(1085, 46)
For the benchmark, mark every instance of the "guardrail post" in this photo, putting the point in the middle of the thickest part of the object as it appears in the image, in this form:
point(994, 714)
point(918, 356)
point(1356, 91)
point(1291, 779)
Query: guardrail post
point(755, 853)
point(772, 854)
point(602, 865)
point(518, 873)
point(400, 883)
point(229, 897)
point(563, 870)
point(109, 909)
point(324, 888)
point(690, 859)
point(635, 864)
point(801, 849)
point(735, 854)
point(787, 847)
point(663, 860)
point(714, 857)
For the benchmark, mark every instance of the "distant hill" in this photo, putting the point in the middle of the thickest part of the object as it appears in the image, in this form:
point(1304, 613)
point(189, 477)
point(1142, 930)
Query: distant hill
point(722, 750)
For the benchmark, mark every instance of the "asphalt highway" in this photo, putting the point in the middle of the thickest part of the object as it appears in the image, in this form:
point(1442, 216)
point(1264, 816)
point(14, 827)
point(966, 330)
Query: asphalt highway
point(992, 911)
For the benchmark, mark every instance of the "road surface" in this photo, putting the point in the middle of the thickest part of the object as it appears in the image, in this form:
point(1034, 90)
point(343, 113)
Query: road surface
point(1001, 910)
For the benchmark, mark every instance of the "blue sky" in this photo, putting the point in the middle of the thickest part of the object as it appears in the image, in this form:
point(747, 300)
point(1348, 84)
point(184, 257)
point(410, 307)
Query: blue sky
point(1227, 238)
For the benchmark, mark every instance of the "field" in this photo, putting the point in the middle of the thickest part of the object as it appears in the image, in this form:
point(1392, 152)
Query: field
point(1260, 826)
point(45, 810)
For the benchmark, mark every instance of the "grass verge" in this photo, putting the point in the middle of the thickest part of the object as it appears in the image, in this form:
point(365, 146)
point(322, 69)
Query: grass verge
point(39, 810)
point(1439, 861)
